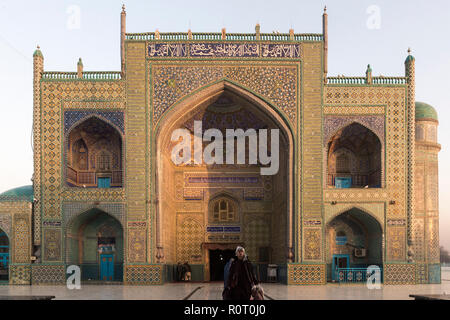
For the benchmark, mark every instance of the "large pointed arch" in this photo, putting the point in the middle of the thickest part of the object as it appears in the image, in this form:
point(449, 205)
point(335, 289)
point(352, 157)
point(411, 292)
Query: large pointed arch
point(185, 107)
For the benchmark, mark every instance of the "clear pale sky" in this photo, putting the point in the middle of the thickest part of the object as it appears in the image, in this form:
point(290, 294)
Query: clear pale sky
point(360, 32)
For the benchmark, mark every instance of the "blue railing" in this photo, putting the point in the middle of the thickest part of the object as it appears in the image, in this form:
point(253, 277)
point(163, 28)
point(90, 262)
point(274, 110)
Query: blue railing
point(350, 275)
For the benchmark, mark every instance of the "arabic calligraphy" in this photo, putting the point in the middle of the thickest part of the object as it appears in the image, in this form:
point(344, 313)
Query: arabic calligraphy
point(230, 50)
point(280, 50)
point(167, 50)
point(224, 50)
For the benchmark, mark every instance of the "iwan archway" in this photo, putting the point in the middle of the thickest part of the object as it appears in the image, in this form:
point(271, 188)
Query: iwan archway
point(94, 241)
point(203, 207)
point(354, 241)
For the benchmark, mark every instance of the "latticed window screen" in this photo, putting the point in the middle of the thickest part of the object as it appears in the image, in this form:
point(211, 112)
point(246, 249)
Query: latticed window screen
point(342, 163)
point(104, 161)
point(224, 211)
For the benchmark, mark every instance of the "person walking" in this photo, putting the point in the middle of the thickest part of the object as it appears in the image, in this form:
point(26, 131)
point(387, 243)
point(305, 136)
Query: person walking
point(241, 278)
point(187, 270)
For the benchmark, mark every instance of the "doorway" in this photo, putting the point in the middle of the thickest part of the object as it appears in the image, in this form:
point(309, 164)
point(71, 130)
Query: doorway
point(339, 261)
point(217, 261)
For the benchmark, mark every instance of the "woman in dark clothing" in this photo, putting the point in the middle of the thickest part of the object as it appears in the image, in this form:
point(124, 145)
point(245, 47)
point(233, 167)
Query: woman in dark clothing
point(241, 278)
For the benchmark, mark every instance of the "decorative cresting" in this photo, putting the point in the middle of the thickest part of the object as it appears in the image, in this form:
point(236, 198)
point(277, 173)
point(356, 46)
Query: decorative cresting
point(276, 84)
point(187, 106)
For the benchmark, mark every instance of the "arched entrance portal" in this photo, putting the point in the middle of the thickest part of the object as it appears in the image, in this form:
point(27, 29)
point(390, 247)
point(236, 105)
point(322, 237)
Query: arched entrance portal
point(354, 241)
point(4, 256)
point(94, 241)
point(205, 207)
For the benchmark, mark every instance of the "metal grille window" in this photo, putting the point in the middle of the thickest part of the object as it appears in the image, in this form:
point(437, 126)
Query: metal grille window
point(104, 161)
point(224, 211)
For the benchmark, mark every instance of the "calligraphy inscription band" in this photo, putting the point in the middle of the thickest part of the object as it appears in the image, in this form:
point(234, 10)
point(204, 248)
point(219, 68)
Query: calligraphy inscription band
point(218, 50)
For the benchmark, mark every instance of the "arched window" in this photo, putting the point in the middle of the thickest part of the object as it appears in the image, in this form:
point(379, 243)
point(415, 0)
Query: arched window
point(224, 210)
point(94, 155)
point(354, 158)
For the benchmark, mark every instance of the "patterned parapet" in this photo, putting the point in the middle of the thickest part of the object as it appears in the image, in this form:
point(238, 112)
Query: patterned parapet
point(306, 274)
point(399, 274)
point(143, 274)
point(19, 274)
point(48, 274)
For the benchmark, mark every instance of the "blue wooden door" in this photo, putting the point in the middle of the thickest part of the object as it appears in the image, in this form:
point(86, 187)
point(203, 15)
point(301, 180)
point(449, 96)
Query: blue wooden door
point(104, 182)
point(107, 267)
point(339, 261)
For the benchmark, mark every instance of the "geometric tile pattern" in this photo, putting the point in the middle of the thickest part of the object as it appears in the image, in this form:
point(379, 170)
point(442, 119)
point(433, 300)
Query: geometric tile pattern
point(19, 274)
point(52, 244)
point(22, 238)
point(276, 83)
point(53, 94)
point(75, 116)
point(312, 244)
point(190, 236)
point(306, 274)
point(256, 234)
point(48, 274)
point(399, 274)
point(421, 273)
point(143, 274)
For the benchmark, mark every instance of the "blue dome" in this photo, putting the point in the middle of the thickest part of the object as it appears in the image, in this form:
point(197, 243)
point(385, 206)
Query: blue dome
point(24, 193)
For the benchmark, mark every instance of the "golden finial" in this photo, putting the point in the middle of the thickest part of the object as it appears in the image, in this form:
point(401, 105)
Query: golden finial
point(409, 50)
point(123, 7)
point(38, 47)
point(325, 9)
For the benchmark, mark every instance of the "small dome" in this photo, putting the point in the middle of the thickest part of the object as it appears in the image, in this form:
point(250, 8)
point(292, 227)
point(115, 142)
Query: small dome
point(425, 111)
point(22, 193)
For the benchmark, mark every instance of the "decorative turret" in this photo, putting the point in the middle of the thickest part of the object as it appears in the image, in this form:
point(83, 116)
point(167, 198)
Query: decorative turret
point(325, 43)
point(80, 69)
point(411, 162)
point(224, 34)
point(369, 74)
point(258, 32)
point(123, 17)
point(38, 70)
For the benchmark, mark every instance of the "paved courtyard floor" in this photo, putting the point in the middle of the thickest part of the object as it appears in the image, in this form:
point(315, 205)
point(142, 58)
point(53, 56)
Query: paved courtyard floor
point(213, 291)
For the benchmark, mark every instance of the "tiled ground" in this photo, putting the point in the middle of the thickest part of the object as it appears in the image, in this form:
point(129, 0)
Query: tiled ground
point(213, 291)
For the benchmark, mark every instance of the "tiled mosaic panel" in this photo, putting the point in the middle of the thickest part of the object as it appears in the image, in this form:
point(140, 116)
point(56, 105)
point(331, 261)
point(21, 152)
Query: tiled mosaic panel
point(434, 273)
point(310, 169)
point(312, 247)
point(137, 244)
point(22, 238)
point(19, 274)
point(48, 274)
point(53, 93)
point(396, 140)
point(73, 209)
point(376, 210)
point(421, 273)
point(256, 235)
point(276, 83)
point(38, 68)
point(143, 274)
point(306, 274)
point(399, 274)
point(136, 124)
point(396, 243)
point(190, 237)
point(5, 223)
point(72, 117)
point(52, 244)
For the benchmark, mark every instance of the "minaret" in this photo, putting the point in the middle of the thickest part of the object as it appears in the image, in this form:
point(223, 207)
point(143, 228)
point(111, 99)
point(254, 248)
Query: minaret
point(410, 72)
point(38, 69)
point(325, 43)
point(123, 17)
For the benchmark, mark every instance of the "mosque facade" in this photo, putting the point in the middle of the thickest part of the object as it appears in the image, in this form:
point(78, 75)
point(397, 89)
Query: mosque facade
point(356, 185)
